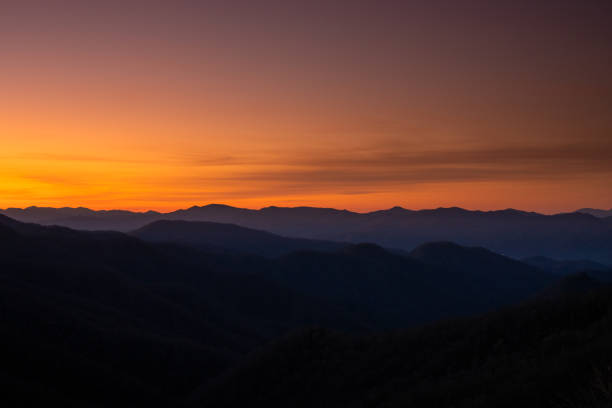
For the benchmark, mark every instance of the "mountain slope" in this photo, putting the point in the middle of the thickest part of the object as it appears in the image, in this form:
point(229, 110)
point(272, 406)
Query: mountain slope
point(478, 264)
point(564, 267)
point(228, 237)
point(105, 319)
point(382, 289)
point(101, 318)
point(396, 291)
point(549, 353)
point(83, 218)
point(513, 233)
point(572, 284)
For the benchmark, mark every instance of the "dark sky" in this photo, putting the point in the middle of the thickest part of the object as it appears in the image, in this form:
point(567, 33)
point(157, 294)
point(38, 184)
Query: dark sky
point(352, 104)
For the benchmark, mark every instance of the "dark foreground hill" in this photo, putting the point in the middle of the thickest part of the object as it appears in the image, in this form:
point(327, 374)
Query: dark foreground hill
point(510, 232)
point(104, 319)
point(549, 353)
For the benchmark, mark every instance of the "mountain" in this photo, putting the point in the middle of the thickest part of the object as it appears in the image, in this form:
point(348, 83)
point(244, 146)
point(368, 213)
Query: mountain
point(564, 267)
point(572, 284)
point(514, 233)
point(83, 218)
point(6, 233)
point(473, 260)
point(483, 271)
point(229, 238)
point(596, 212)
point(105, 319)
point(547, 353)
point(133, 323)
point(397, 291)
point(380, 285)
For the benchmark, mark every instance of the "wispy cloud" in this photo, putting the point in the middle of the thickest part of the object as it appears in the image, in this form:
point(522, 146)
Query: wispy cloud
point(363, 169)
point(386, 167)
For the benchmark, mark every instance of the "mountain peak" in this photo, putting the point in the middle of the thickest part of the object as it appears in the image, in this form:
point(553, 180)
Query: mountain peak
point(514, 211)
point(212, 205)
point(596, 212)
point(448, 211)
point(397, 209)
point(216, 205)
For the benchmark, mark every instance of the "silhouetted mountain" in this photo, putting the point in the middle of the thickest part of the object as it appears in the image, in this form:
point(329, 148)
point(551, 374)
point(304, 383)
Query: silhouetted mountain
point(6, 233)
point(594, 270)
point(513, 233)
point(83, 218)
point(396, 291)
point(565, 267)
point(472, 260)
point(572, 284)
point(104, 319)
point(544, 354)
point(228, 238)
point(504, 279)
point(381, 286)
point(596, 212)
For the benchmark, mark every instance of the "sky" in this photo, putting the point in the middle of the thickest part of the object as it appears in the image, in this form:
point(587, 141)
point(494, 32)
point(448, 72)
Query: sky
point(349, 104)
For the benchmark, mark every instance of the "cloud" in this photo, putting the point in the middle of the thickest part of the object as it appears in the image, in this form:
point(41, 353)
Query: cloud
point(388, 166)
point(368, 169)
point(597, 155)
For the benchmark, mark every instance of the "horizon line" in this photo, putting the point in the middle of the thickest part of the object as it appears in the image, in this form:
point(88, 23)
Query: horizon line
point(142, 211)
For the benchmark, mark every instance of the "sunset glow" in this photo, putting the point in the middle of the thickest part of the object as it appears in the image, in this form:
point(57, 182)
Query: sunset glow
point(357, 105)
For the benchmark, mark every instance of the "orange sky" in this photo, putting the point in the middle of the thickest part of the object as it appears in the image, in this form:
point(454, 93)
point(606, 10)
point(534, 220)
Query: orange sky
point(163, 105)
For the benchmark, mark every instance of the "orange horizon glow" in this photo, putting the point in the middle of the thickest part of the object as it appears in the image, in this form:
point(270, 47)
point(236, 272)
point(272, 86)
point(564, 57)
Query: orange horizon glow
point(115, 106)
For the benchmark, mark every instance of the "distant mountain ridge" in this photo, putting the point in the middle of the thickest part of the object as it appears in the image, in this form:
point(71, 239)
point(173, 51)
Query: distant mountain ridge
point(120, 220)
point(596, 212)
point(514, 233)
point(83, 218)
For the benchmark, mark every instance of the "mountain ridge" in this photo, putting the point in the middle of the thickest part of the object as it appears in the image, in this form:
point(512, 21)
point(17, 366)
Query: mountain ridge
point(80, 210)
point(596, 212)
point(511, 232)
point(228, 237)
point(132, 323)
